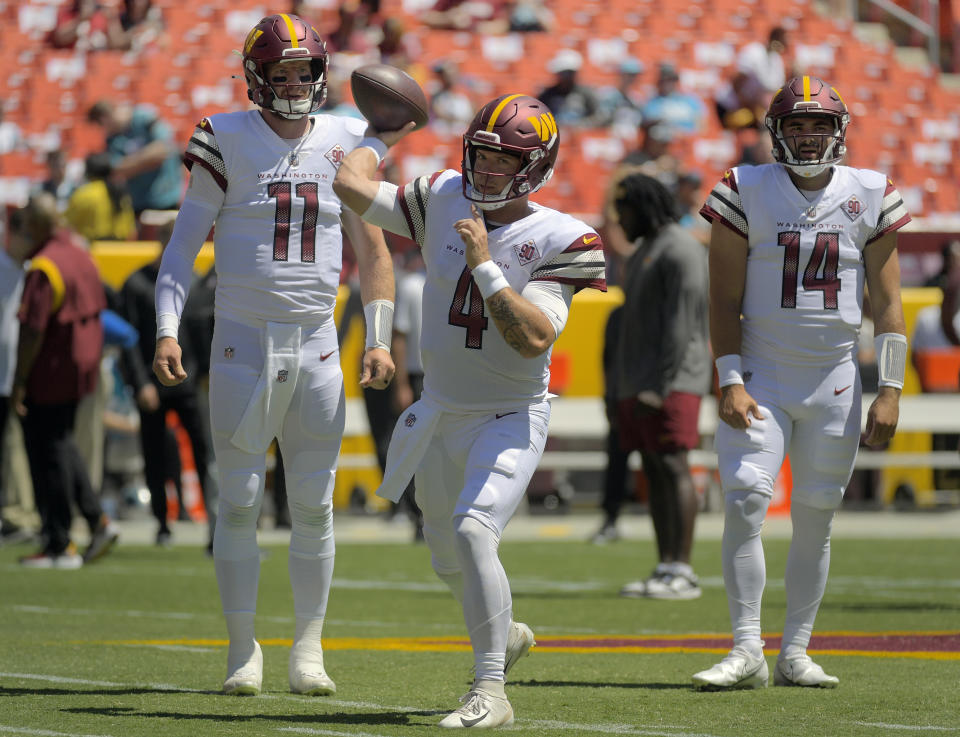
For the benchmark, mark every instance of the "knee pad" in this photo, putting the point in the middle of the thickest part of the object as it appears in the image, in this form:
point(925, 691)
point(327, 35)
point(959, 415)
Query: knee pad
point(745, 511)
point(742, 475)
point(311, 533)
point(824, 497)
point(235, 536)
point(474, 537)
point(443, 551)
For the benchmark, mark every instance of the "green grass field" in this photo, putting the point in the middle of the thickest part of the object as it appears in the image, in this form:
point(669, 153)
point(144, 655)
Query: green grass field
point(134, 646)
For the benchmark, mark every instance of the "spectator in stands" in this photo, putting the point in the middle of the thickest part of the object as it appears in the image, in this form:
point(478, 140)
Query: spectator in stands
point(143, 154)
point(354, 34)
point(654, 156)
point(663, 370)
point(11, 137)
point(58, 359)
point(621, 105)
point(681, 112)
point(688, 198)
point(481, 16)
point(154, 399)
point(57, 183)
point(741, 103)
point(100, 209)
point(86, 25)
point(572, 103)
point(397, 46)
point(522, 16)
point(451, 109)
point(764, 65)
point(143, 27)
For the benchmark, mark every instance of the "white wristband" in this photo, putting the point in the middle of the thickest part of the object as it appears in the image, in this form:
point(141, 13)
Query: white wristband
point(489, 279)
point(891, 358)
point(375, 145)
point(729, 370)
point(167, 325)
point(379, 318)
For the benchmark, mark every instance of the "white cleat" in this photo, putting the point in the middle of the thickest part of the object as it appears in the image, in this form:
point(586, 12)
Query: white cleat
point(307, 674)
point(246, 679)
point(801, 671)
point(519, 641)
point(480, 710)
point(740, 669)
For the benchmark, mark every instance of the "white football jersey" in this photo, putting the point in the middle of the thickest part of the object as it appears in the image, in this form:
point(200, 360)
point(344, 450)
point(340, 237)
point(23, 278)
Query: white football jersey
point(467, 363)
point(277, 236)
point(803, 297)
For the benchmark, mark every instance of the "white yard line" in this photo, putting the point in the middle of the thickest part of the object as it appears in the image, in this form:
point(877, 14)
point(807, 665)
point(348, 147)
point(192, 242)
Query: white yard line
point(907, 727)
point(7, 729)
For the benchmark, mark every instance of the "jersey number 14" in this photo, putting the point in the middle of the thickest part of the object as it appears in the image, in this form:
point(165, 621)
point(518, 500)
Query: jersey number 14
point(820, 274)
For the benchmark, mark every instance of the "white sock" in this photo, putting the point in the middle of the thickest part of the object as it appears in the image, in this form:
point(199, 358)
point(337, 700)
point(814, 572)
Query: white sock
point(808, 564)
point(744, 567)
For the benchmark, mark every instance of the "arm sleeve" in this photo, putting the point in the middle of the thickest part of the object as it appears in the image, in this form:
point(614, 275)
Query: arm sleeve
point(552, 299)
point(197, 214)
point(385, 211)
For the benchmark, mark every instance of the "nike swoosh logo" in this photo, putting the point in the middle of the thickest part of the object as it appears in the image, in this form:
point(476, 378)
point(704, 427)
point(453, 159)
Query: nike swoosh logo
point(470, 722)
point(325, 356)
point(587, 241)
point(841, 391)
point(505, 414)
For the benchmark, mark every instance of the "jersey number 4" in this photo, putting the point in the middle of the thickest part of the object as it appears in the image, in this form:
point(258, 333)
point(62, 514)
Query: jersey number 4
point(466, 310)
point(821, 271)
point(307, 191)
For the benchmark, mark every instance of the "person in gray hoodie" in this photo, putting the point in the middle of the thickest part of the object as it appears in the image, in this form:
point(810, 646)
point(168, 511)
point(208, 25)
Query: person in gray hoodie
point(663, 369)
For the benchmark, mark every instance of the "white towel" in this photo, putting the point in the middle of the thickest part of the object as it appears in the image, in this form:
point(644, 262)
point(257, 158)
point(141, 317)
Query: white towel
point(263, 418)
point(408, 444)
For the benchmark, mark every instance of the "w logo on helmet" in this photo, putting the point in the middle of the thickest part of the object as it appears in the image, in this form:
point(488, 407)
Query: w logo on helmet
point(251, 39)
point(545, 126)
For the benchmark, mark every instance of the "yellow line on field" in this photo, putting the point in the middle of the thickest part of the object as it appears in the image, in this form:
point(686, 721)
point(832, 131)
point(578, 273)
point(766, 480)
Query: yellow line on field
point(622, 644)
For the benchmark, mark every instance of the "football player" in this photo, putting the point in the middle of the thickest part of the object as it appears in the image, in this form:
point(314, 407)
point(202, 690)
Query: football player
point(264, 177)
point(791, 245)
point(500, 275)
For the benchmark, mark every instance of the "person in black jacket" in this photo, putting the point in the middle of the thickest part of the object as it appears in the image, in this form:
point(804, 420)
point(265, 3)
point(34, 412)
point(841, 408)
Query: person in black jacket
point(154, 399)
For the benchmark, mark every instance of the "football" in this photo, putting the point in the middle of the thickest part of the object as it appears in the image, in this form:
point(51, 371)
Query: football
point(388, 97)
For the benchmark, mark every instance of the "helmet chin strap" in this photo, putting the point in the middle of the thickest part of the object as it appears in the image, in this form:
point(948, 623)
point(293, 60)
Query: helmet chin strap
point(812, 169)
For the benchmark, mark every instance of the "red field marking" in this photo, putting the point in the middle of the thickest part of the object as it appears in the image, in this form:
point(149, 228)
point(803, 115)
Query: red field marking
point(943, 645)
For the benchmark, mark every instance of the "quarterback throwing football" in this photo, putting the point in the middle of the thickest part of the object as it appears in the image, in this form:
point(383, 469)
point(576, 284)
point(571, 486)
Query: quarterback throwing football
point(501, 272)
point(791, 245)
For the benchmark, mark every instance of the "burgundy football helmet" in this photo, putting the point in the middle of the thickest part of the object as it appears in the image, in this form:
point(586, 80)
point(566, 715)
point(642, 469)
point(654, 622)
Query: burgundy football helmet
point(518, 125)
point(284, 37)
point(808, 96)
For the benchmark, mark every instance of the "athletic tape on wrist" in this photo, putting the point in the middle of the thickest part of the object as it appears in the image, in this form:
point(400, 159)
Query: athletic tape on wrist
point(167, 326)
point(375, 145)
point(489, 279)
point(729, 370)
point(378, 315)
point(891, 351)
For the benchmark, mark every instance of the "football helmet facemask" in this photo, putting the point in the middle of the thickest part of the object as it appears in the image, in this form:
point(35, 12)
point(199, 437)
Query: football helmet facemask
point(518, 125)
point(807, 96)
point(284, 37)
